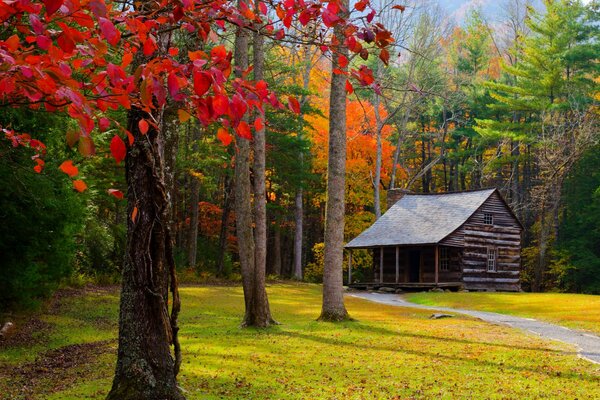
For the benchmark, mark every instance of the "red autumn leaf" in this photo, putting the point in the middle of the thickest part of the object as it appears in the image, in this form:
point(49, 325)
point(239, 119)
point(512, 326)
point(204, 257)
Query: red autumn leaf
point(130, 138)
point(263, 8)
point(370, 16)
point(79, 185)
point(349, 87)
point(202, 82)
point(220, 105)
point(144, 126)
point(361, 5)
point(149, 46)
point(126, 60)
point(224, 136)
point(65, 43)
point(243, 130)
point(384, 55)
point(118, 149)
point(116, 193)
point(399, 7)
point(259, 124)
point(342, 61)
point(177, 13)
point(218, 53)
point(329, 18)
point(110, 33)
point(52, 6)
point(173, 84)
point(103, 124)
point(43, 42)
point(68, 168)
point(294, 105)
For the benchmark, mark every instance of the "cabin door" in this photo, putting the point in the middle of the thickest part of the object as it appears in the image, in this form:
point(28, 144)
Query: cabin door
point(414, 266)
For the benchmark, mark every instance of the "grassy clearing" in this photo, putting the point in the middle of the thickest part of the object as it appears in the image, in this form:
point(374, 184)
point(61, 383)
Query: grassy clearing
point(389, 352)
point(578, 311)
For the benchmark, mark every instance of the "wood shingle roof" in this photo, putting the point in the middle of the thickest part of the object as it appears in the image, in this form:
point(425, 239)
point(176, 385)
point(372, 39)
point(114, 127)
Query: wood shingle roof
point(418, 219)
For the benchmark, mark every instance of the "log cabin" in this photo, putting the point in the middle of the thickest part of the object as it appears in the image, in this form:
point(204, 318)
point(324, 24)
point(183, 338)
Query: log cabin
point(468, 239)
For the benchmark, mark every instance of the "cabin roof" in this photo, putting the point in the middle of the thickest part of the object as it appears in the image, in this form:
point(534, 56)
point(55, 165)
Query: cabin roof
point(418, 219)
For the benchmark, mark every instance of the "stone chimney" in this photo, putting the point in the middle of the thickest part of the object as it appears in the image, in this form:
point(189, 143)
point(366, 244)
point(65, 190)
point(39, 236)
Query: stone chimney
point(393, 195)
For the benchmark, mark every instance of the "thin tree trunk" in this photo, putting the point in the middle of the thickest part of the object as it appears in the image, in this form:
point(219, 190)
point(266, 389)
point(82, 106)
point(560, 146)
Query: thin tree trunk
point(146, 369)
point(543, 247)
point(224, 225)
point(194, 199)
point(298, 218)
point(333, 298)
point(277, 263)
point(378, 129)
point(298, 201)
point(261, 313)
point(257, 312)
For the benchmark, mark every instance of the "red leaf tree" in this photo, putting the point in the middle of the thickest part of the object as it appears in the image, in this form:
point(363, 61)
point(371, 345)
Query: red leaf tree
point(85, 58)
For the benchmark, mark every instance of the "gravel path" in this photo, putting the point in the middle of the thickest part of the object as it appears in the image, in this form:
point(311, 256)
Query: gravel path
point(588, 345)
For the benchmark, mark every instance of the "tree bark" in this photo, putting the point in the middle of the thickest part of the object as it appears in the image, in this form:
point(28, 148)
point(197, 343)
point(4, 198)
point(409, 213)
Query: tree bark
point(194, 199)
point(277, 263)
point(298, 219)
point(378, 129)
point(146, 369)
point(255, 296)
point(224, 225)
point(298, 201)
point(333, 308)
point(261, 315)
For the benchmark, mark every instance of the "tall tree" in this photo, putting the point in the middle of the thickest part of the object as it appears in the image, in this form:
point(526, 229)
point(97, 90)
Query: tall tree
point(551, 88)
point(333, 308)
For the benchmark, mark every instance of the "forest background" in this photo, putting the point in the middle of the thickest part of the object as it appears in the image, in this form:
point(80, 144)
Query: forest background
point(510, 104)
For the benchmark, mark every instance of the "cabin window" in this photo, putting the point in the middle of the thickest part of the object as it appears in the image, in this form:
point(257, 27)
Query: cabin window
point(492, 255)
point(488, 218)
point(444, 259)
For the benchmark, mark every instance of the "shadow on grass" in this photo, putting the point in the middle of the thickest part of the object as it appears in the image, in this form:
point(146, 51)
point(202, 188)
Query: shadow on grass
point(334, 342)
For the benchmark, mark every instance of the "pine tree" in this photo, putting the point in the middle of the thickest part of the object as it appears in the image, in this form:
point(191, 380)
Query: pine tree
point(545, 97)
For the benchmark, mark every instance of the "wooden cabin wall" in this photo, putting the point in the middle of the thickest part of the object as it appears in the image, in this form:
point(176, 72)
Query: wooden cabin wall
point(389, 264)
point(476, 237)
point(427, 269)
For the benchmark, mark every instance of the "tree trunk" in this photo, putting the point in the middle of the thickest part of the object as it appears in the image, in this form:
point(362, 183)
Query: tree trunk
point(257, 308)
point(333, 298)
point(261, 315)
point(194, 199)
point(378, 129)
point(146, 369)
point(540, 267)
point(298, 201)
point(277, 263)
point(224, 225)
point(298, 218)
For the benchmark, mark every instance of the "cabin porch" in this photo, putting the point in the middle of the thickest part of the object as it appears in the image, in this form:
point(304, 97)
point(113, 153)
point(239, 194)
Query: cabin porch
point(412, 267)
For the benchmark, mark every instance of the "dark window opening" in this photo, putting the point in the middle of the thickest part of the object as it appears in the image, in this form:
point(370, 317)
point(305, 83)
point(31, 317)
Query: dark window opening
point(488, 219)
point(444, 259)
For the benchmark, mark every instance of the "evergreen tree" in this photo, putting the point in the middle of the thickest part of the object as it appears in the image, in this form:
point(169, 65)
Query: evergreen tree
point(545, 98)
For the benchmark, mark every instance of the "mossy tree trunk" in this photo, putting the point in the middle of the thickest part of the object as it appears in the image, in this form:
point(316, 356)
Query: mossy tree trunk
point(146, 368)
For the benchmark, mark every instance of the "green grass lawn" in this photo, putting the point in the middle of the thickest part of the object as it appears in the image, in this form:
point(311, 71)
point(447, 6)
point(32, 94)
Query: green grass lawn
point(389, 352)
point(578, 311)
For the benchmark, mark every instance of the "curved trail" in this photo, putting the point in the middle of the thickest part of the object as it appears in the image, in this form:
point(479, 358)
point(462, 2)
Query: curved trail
point(588, 345)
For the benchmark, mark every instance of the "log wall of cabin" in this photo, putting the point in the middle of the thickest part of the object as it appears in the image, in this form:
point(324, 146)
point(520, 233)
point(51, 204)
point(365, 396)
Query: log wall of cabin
point(476, 237)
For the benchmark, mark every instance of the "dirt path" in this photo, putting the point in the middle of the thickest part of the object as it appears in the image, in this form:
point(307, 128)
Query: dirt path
point(588, 345)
